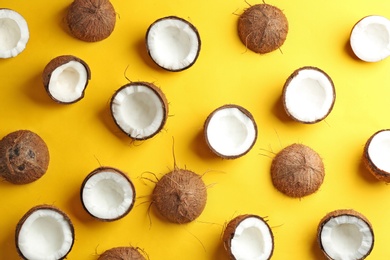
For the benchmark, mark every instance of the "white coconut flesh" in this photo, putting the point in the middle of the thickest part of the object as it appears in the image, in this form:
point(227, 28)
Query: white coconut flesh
point(346, 237)
point(68, 81)
point(309, 96)
point(252, 240)
point(230, 132)
point(370, 38)
point(45, 234)
point(138, 111)
point(14, 33)
point(379, 150)
point(173, 44)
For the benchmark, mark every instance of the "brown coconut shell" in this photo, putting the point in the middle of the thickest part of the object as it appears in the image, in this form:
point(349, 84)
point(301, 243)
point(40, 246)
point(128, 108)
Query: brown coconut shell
point(262, 28)
point(162, 98)
point(372, 168)
point(24, 157)
point(230, 230)
point(180, 196)
point(245, 112)
point(31, 211)
point(111, 169)
point(297, 171)
point(54, 64)
point(91, 20)
point(338, 213)
point(122, 253)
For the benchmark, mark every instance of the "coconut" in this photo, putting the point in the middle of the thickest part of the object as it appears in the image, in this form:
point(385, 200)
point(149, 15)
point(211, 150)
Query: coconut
point(297, 171)
point(345, 234)
point(65, 78)
point(122, 253)
point(91, 20)
point(180, 196)
point(370, 38)
point(14, 33)
point(107, 194)
point(262, 28)
point(44, 232)
point(173, 43)
point(24, 157)
point(230, 131)
point(248, 237)
point(308, 95)
point(376, 155)
point(139, 109)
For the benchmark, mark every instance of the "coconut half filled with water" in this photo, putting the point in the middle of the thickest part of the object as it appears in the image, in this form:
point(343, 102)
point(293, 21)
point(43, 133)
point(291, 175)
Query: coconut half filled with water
point(107, 194)
point(139, 109)
point(65, 78)
point(248, 237)
point(308, 95)
point(14, 33)
point(230, 131)
point(44, 232)
point(173, 43)
point(346, 235)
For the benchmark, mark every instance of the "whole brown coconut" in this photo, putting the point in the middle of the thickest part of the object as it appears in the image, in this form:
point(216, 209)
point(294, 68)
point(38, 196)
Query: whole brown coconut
point(122, 253)
point(180, 196)
point(24, 157)
point(262, 28)
point(297, 171)
point(91, 20)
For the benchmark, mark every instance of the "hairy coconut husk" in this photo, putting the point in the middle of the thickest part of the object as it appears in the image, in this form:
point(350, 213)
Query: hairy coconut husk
point(24, 157)
point(262, 28)
point(180, 196)
point(122, 253)
point(297, 171)
point(91, 20)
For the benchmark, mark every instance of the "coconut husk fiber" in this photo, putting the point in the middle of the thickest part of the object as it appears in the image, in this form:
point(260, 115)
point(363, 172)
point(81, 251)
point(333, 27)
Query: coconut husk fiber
point(122, 253)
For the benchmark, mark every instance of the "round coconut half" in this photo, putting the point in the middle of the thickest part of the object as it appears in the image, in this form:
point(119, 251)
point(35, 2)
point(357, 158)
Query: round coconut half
point(345, 235)
point(122, 253)
point(139, 109)
point(107, 194)
point(297, 171)
point(262, 28)
point(91, 20)
point(376, 155)
point(180, 196)
point(14, 33)
point(24, 157)
point(308, 95)
point(173, 43)
point(230, 131)
point(44, 232)
point(248, 237)
point(370, 38)
point(65, 78)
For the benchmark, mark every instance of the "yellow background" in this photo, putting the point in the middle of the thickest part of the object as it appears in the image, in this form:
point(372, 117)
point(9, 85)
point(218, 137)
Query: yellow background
point(82, 136)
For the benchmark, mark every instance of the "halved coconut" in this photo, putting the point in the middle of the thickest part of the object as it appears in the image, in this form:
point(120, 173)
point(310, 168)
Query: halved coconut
point(44, 232)
point(139, 109)
point(230, 131)
point(248, 237)
point(122, 253)
point(377, 153)
point(370, 38)
point(107, 194)
point(173, 43)
point(65, 78)
point(24, 157)
point(297, 171)
point(14, 33)
point(91, 20)
point(345, 235)
point(308, 95)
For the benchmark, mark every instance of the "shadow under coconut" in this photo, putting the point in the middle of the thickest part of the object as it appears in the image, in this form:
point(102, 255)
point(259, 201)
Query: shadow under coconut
point(279, 111)
point(140, 46)
point(316, 250)
point(200, 147)
point(77, 209)
point(365, 173)
point(8, 248)
point(349, 51)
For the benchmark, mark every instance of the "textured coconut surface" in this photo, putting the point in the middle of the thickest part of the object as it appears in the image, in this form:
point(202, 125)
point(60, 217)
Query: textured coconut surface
point(83, 136)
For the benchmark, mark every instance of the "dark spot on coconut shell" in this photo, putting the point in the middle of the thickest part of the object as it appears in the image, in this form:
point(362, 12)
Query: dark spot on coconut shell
point(122, 253)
